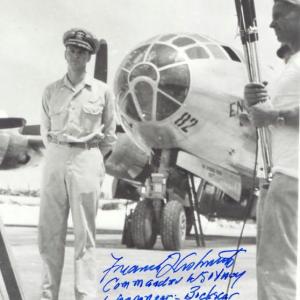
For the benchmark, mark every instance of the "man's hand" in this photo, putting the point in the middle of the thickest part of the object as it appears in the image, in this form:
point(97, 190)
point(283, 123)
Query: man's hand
point(257, 104)
point(255, 93)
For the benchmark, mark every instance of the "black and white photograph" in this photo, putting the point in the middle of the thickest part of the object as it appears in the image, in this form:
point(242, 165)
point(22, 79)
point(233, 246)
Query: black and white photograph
point(149, 149)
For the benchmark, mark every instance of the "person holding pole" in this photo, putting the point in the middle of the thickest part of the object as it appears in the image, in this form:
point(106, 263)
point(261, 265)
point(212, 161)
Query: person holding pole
point(278, 210)
point(78, 129)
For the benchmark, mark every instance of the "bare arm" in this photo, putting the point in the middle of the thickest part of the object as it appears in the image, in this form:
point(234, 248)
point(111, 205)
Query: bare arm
point(290, 116)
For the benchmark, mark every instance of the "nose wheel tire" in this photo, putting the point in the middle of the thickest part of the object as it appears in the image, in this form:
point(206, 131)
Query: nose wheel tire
point(173, 226)
point(144, 233)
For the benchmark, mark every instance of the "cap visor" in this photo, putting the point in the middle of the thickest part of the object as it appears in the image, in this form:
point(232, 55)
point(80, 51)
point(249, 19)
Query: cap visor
point(80, 44)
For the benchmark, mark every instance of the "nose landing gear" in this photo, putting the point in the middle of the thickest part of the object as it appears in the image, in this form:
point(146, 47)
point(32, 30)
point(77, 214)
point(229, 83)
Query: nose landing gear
point(173, 226)
point(166, 209)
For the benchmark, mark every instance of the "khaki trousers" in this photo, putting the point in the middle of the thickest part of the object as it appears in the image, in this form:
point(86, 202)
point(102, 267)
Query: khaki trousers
point(277, 240)
point(71, 180)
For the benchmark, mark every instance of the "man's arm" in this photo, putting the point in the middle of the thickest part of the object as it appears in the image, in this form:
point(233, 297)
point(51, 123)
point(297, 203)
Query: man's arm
point(262, 116)
point(262, 113)
point(290, 117)
point(45, 119)
point(109, 122)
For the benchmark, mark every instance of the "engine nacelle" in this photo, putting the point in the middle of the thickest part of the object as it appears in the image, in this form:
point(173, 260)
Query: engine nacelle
point(13, 149)
point(127, 160)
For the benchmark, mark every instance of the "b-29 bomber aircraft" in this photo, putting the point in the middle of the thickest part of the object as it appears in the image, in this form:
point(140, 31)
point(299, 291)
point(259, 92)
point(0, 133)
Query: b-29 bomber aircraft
point(179, 98)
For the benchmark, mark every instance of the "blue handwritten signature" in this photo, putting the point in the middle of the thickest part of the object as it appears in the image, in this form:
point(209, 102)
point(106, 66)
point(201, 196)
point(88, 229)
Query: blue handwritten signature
point(176, 268)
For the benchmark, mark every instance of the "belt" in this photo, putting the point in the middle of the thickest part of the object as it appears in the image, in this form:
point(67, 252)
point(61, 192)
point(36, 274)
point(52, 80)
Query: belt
point(76, 144)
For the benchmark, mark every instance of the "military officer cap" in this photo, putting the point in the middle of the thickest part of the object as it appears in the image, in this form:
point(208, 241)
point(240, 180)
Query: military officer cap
point(81, 38)
point(295, 2)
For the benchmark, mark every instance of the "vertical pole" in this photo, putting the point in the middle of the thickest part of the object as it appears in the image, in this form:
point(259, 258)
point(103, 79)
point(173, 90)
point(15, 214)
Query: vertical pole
point(194, 204)
point(249, 36)
point(190, 194)
point(8, 268)
point(201, 188)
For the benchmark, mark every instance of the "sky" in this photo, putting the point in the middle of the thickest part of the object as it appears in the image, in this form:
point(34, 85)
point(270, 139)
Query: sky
point(32, 53)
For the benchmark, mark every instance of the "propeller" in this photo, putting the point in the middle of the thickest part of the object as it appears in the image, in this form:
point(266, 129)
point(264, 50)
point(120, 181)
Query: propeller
point(100, 71)
point(8, 123)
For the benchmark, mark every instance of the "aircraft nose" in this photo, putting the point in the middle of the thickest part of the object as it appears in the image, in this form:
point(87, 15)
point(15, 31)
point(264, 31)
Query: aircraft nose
point(152, 82)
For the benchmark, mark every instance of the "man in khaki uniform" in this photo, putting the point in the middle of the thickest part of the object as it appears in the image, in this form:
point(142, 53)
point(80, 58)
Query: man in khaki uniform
point(78, 130)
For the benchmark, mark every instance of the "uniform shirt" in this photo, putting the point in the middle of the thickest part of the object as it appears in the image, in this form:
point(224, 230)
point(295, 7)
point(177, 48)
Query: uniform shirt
point(79, 114)
point(285, 139)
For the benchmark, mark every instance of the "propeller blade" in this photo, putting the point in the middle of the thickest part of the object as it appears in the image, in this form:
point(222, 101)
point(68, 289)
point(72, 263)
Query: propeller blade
point(7, 123)
point(100, 71)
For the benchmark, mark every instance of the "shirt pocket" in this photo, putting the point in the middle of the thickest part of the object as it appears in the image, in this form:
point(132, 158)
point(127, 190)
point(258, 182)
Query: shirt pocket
point(91, 115)
point(93, 107)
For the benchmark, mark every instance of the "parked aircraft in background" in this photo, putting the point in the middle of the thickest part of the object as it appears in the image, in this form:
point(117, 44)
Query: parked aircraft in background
point(19, 144)
point(179, 97)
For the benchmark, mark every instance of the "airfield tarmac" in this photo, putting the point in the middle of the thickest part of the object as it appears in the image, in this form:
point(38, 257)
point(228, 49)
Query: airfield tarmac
point(20, 215)
point(23, 241)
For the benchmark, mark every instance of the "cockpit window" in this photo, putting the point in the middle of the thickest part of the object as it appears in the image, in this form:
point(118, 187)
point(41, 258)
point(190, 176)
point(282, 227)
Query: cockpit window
point(196, 53)
point(143, 70)
point(144, 94)
point(122, 83)
point(165, 107)
point(162, 55)
point(183, 41)
point(231, 53)
point(167, 37)
point(175, 81)
point(135, 57)
point(200, 38)
point(154, 80)
point(130, 108)
point(216, 51)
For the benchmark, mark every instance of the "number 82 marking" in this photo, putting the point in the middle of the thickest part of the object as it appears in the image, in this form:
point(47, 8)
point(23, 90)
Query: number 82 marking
point(186, 121)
